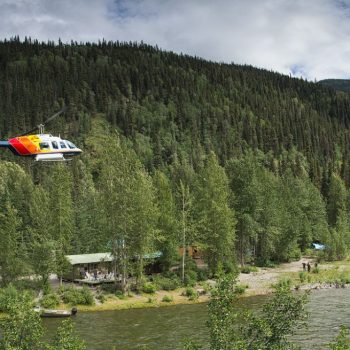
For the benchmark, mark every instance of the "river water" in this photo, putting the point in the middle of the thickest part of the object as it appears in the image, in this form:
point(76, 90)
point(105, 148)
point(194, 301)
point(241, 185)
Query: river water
point(167, 327)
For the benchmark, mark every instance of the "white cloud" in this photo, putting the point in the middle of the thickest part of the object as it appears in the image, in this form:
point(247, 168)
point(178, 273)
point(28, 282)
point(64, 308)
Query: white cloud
point(309, 38)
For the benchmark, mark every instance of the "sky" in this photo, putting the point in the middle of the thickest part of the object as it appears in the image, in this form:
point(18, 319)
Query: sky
point(308, 38)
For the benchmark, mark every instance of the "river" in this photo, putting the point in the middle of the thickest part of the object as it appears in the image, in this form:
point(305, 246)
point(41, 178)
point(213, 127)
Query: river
point(167, 327)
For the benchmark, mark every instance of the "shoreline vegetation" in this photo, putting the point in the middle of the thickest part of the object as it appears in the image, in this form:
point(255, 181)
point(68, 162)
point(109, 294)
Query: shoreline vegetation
point(253, 281)
point(260, 282)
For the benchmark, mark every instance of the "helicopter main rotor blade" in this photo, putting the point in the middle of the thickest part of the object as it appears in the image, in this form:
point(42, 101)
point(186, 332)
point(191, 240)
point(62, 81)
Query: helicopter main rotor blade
point(55, 115)
point(44, 123)
point(27, 132)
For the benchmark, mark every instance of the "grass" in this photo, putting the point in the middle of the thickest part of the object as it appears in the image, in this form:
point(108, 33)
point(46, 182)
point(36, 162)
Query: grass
point(138, 301)
point(326, 273)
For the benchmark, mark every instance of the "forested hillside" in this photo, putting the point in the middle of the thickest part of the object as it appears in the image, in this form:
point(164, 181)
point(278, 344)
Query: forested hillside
point(247, 164)
point(337, 84)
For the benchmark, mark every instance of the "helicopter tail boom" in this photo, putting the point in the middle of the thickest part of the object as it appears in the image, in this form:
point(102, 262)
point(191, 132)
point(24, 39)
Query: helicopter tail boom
point(4, 144)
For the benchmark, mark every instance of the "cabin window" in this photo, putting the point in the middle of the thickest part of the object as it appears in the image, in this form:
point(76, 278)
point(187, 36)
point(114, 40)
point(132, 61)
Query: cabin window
point(44, 145)
point(62, 144)
point(71, 145)
point(54, 145)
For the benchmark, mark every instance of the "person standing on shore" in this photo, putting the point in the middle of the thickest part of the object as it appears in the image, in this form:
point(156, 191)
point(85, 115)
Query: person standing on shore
point(308, 267)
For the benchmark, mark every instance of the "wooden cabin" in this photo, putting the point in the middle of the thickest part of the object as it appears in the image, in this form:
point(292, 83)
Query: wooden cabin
point(88, 263)
point(192, 251)
point(83, 265)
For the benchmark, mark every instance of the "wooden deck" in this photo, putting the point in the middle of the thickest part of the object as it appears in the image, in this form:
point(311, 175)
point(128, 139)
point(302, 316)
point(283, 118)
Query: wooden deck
point(93, 282)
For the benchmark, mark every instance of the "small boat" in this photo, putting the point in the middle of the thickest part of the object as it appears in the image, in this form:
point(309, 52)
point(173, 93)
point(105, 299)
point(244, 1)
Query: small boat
point(57, 313)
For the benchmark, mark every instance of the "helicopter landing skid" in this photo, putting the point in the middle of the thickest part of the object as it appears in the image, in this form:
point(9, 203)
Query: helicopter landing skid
point(54, 160)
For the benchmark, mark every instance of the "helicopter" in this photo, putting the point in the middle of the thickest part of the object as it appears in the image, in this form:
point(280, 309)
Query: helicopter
point(42, 147)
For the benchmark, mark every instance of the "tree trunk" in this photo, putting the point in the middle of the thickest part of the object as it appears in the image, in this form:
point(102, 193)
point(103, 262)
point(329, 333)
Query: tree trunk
point(183, 236)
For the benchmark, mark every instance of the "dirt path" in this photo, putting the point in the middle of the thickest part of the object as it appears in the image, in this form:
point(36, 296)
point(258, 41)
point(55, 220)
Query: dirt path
point(261, 282)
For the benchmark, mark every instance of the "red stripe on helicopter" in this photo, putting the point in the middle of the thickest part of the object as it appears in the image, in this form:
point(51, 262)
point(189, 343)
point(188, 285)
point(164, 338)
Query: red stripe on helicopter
point(19, 147)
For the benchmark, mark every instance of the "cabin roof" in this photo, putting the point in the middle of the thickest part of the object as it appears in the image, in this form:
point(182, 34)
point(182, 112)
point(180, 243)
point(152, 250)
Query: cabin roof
point(99, 257)
point(89, 258)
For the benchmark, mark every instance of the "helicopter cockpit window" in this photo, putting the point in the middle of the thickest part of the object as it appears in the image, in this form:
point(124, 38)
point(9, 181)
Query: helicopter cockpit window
point(71, 145)
point(54, 145)
point(62, 144)
point(44, 145)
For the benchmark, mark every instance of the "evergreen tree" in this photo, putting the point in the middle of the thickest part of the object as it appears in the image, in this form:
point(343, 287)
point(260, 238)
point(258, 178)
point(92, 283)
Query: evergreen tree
point(167, 224)
point(11, 259)
point(215, 219)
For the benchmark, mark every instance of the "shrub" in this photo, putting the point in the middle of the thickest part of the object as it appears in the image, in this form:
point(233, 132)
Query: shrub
point(26, 284)
point(149, 288)
point(316, 270)
point(6, 294)
point(108, 287)
point(167, 299)
point(101, 298)
point(345, 279)
point(119, 294)
point(249, 269)
point(190, 279)
point(302, 276)
point(206, 286)
point(50, 301)
point(165, 283)
point(202, 275)
point(284, 282)
point(76, 296)
point(191, 293)
point(240, 288)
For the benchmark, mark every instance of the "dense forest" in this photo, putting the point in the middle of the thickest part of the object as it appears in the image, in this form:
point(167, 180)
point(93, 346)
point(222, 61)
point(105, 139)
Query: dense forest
point(247, 164)
point(337, 84)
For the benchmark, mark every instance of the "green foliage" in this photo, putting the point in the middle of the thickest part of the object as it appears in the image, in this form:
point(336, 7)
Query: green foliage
point(190, 278)
point(284, 185)
point(50, 301)
point(149, 288)
point(191, 293)
point(101, 298)
point(345, 278)
point(120, 295)
point(22, 329)
point(216, 220)
point(191, 345)
point(342, 341)
point(269, 330)
point(66, 339)
point(222, 315)
point(302, 276)
point(338, 84)
point(43, 262)
point(165, 283)
point(167, 299)
point(108, 288)
point(284, 282)
point(11, 264)
point(279, 318)
point(7, 296)
point(315, 270)
point(249, 269)
point(75, 296)
point(240, 288)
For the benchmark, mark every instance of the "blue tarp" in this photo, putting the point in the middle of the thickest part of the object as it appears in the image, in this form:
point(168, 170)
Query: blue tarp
point(318, 246)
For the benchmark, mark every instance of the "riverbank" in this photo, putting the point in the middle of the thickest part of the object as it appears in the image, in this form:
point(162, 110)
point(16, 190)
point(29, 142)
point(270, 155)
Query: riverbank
point(326, 275)
point(261, 282)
